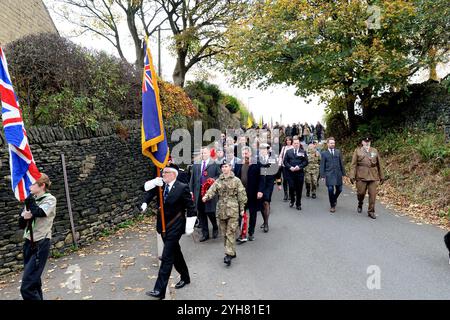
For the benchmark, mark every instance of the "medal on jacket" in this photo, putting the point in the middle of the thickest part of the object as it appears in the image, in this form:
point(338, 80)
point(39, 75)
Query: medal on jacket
point(205, 173)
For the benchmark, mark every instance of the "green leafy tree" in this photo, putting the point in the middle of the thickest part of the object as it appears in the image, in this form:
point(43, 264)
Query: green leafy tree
point(344, 49)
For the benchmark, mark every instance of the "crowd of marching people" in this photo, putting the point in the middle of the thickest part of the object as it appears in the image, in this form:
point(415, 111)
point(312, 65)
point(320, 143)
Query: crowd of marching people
point(294, 158)
point(229, 182)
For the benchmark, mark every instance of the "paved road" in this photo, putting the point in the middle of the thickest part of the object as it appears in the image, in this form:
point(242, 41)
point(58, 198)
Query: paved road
point(312, 254)
point(308, 254)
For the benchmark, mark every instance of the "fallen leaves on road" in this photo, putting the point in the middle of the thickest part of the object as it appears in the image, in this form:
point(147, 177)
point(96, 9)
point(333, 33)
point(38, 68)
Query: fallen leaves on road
point(127, 262)
point(134, 289)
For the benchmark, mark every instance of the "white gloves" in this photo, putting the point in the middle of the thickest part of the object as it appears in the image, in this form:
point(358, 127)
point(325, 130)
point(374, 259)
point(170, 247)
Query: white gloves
point(190, 222)
point(144, 207)
point(149, 185)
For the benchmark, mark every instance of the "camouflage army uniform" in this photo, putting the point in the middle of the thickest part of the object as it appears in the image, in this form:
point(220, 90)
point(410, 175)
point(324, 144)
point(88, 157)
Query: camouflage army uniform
point(312, 171)
point(232, 199)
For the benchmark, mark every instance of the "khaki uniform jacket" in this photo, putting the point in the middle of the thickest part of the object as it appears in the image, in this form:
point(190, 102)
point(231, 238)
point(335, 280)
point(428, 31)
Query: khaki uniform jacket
point(232, 196)
point(366, 166)
point(313, 161)
point(42, 226)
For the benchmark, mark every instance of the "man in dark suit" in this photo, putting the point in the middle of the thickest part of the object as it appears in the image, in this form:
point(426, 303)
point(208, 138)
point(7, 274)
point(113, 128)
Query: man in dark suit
point(177, 203)
point(332, 170)
point(295, 162)
point(206, 168)
point(231, 159)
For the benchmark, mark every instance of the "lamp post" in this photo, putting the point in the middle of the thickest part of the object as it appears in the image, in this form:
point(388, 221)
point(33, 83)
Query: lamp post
point(159, 49)
point(248, 103)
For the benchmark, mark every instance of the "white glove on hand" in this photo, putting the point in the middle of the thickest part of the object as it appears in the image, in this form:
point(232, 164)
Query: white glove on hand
point(149, 185)
point(144, 207)
point(190, 222)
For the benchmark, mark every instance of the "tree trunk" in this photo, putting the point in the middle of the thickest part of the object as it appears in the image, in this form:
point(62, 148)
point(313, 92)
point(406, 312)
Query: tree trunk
point(350, 101)
point(432, 66)
point(179, 73)
point(366, 105)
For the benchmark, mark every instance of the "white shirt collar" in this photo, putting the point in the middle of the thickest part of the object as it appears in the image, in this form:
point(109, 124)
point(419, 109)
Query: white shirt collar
point(171, 184)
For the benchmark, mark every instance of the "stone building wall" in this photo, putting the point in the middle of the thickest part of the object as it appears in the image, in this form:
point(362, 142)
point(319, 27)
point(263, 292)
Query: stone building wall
point(20, 18)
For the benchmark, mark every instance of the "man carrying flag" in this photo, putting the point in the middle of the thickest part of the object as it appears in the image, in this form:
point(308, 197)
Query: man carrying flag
point(28, 185)
point(176, 200)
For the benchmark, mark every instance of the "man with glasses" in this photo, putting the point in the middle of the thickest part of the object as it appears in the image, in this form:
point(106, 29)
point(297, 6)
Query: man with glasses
point(177, 204)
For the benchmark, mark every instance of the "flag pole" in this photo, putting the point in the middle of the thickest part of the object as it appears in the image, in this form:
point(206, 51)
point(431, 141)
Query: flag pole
point(161, 205)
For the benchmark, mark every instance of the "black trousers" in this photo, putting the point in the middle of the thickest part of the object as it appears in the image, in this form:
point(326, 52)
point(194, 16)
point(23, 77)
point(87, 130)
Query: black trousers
point(296, 187)
point(285, 180)
point(34, 260)
point(203, 217)
point(171, 256)
point(252, 210)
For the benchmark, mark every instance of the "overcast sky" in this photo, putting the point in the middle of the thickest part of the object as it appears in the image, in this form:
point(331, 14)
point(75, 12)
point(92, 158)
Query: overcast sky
point(276, 102)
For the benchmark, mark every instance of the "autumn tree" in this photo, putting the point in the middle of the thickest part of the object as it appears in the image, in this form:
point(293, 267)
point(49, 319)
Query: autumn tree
point(198, 29)
point(347, 49)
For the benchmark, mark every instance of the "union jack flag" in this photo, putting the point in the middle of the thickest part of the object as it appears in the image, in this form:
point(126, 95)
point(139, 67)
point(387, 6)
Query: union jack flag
point(24, 171)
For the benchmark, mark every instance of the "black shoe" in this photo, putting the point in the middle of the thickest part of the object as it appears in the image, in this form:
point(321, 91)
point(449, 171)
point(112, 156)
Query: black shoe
point(262, 226)
point(227, 260)
point(241, 241)
point(291, 204)
point(266, 228)
point(359, 209)
point(314, 196)
point(372, 215)
point(251, 238)
point(181, 284)
point(204, 238)
point(299, 207)
point(308, 195)
point(155, 294)
point(285, 198)
point(215, 234)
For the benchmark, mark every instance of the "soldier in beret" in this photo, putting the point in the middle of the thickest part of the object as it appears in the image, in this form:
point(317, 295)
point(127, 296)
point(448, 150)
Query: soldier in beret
point(366, 171)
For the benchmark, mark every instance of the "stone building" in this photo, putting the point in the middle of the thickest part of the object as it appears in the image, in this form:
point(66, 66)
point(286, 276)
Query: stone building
point(20, 18)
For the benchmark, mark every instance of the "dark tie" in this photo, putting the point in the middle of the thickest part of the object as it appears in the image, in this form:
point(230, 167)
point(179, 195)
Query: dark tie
point(332, 152)
point(166, 192)
point(203, 178)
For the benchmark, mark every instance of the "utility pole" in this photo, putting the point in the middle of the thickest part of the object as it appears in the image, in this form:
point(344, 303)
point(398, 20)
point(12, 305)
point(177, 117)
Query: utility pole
point(159, 52)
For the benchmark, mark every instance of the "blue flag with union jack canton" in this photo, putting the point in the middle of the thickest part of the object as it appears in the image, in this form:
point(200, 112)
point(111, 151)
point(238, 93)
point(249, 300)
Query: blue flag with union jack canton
point(23, 168)
point(154, 142)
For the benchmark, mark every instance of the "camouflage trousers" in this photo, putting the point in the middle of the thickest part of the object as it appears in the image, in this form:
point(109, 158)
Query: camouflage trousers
point(228, 227)
point(311, 181)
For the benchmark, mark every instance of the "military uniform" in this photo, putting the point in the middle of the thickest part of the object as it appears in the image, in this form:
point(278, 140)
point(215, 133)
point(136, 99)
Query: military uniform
point(366, 171)
point(312, 171)
point(232, 198)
